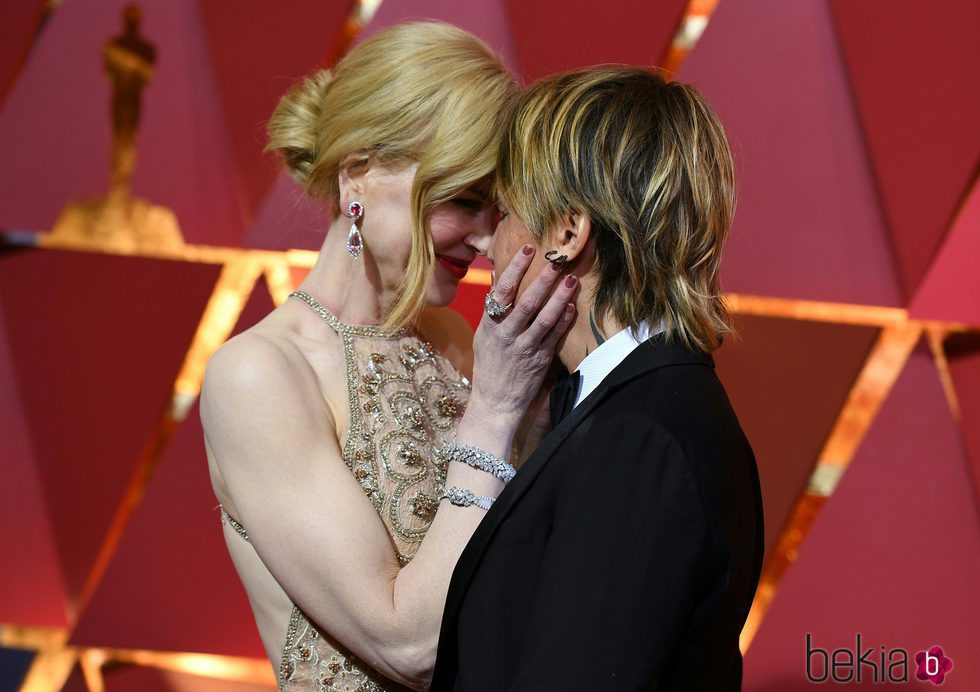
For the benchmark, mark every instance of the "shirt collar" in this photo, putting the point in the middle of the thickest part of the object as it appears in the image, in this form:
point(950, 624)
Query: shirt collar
point(599, 363)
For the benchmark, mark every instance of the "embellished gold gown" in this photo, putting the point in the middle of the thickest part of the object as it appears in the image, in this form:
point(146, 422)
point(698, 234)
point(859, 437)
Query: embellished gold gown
point(405, 403)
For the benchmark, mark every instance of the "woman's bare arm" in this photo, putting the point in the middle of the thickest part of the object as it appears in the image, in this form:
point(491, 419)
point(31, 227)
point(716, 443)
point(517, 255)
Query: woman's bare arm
point(308, 518)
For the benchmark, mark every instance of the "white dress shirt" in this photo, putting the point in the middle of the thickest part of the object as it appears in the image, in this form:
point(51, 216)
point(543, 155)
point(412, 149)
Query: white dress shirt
point(610, 353)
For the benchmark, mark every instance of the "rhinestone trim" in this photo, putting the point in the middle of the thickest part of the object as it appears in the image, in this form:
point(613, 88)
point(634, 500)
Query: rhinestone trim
point(344, 328)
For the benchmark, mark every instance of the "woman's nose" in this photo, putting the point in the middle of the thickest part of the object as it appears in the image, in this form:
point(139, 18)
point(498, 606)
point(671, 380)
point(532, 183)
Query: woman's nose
point(481, 237)
point(480, 242)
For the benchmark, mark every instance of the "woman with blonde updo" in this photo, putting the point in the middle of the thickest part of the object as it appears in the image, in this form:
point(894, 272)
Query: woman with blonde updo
point(351, 453)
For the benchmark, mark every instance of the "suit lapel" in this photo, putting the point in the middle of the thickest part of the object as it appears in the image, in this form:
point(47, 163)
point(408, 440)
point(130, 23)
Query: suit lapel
point(652, 354)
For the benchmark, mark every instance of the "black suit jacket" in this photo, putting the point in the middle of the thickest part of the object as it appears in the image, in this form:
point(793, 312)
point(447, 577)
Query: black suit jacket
point(625, 553)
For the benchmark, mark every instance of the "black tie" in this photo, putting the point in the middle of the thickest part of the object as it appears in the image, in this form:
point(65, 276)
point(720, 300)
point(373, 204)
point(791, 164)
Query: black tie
point(563, 397)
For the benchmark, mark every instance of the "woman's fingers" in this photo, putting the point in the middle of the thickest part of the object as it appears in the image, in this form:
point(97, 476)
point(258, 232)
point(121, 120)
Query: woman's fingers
point(530, 302)
point(505, 288)
point(550, 316)
point(550, 342)
point(513, 351)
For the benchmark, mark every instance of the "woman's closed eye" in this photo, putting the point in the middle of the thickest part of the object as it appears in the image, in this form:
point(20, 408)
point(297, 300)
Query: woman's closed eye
point(473, 204)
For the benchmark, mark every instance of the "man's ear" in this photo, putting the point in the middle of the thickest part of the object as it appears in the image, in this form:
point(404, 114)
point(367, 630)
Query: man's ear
point(351, 176)
point(570, 236)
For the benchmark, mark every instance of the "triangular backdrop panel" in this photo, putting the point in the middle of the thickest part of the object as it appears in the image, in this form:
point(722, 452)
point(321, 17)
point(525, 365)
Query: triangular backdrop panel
point(171, 585)
point(773, 73)
point(21, 19)
point(894, 555)
point(183, 159)
point(97, 342)
point(288, 218)
point(787, 381)
point(913, 70)
point(580, 33)
point(32, 591)
point(295, 38)
point(951, 287)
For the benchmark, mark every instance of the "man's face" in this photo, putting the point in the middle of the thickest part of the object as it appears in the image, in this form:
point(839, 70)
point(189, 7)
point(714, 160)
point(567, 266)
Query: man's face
point(510, 235)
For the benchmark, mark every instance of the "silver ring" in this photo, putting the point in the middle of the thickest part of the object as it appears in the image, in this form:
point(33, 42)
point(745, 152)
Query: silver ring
point(494, 308)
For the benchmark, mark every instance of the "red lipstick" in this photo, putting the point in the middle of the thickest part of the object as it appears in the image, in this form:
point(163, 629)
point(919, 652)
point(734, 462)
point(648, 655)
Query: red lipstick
point(454, 266)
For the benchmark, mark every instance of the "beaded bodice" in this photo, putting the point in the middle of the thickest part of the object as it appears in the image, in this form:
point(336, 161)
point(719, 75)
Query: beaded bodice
point(405, 400)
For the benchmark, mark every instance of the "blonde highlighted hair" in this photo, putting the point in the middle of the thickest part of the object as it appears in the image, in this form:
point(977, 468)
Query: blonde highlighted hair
point(648, 162)
point(423, 92)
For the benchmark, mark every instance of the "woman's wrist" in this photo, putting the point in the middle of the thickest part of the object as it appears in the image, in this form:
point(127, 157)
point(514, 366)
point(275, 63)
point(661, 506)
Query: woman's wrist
point(496, 410)
point(489, 429)
point(478, 481)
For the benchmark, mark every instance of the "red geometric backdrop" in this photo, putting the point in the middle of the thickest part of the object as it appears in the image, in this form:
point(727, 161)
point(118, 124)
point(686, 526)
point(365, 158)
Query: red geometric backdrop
point(856, 373)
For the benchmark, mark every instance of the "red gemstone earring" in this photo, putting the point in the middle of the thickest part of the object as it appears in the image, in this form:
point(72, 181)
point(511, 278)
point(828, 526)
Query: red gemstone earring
point(355, 210)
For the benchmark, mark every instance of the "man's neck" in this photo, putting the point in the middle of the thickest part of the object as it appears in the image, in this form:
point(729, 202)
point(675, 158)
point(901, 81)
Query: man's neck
point(580, 341)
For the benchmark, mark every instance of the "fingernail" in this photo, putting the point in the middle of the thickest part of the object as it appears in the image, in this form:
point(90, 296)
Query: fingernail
point(527, 249)
point(555, 267)
point(570, 281)
point(569, 309)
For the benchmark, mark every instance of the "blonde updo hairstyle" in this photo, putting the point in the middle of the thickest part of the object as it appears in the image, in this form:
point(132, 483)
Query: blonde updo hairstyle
point(425, 92)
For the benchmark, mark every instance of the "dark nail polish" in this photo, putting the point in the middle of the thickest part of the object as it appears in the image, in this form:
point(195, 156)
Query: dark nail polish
point(527, 249)
point(555, 268)
point(570, 281)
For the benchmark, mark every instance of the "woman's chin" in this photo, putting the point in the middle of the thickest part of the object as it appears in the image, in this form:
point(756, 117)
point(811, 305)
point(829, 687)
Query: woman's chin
point(441, 293)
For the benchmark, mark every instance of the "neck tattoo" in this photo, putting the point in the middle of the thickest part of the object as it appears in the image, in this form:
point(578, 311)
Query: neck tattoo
point(599, 338)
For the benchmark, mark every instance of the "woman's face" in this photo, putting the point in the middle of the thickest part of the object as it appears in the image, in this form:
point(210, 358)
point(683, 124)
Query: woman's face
point(461, 229)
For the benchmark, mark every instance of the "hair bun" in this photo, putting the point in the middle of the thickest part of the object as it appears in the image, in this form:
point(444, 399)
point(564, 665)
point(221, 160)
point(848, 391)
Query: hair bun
point(294, 124)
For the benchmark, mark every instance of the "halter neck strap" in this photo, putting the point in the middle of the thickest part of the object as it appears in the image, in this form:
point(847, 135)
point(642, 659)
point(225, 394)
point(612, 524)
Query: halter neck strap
point(344, 328)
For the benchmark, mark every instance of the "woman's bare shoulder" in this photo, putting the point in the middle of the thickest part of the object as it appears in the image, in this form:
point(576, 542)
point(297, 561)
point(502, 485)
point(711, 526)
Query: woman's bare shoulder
point(252, 357)
point(451, 334)
point(259, 369)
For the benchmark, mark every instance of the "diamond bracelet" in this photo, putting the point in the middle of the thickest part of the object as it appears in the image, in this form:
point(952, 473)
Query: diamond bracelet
point(461, 497)
point(479, 459)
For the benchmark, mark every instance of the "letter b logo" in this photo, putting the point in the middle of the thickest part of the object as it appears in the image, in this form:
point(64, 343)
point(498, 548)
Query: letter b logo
point(933, 665)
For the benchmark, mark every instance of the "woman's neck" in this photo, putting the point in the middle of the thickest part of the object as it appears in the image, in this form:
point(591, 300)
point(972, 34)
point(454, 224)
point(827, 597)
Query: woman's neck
point(352, 289)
